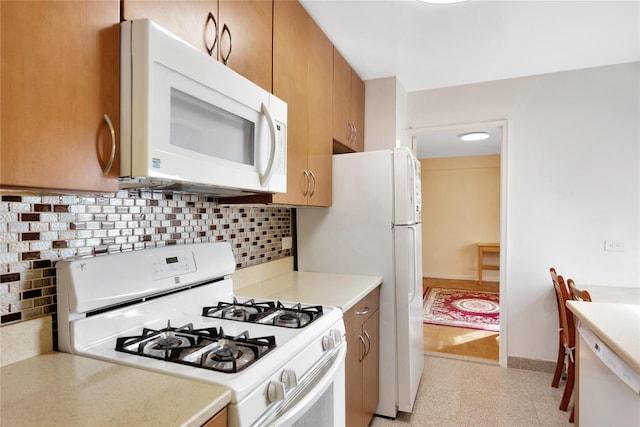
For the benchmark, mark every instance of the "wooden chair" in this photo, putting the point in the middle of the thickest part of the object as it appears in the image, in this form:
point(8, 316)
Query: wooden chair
point(561, 352)
point(567, 337)
point(577, 294)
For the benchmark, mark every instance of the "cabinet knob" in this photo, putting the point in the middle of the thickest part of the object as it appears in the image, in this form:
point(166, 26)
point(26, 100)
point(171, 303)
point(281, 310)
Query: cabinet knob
point(363, 351)
point(364, 311)
point(112, 156)
point(308, 186)
point(225, 29)
point(313, 190)
point(367, 348)
point(211, 18)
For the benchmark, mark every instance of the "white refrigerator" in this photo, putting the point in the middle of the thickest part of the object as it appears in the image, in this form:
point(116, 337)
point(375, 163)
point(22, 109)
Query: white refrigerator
point(374, 228)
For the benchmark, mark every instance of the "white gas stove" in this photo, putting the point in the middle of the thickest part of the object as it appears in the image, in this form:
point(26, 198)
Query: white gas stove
point(172, 310)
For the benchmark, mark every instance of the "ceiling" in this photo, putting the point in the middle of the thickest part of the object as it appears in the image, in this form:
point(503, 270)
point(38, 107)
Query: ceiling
point(430, 46)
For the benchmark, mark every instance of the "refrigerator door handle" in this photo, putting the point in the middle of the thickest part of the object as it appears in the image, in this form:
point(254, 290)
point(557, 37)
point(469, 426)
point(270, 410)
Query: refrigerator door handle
point(409, 224)
point(413, 290)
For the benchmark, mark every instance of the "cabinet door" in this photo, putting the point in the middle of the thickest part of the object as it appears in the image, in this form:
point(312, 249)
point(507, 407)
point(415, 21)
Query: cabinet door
point(290, 71)
point(60, 75)
point(320, 151)
point(187, 19)
point(370, 367)
point(354, 374)
point(248, 38)
point(357, 111)
point(218, 420)
point(341, 99)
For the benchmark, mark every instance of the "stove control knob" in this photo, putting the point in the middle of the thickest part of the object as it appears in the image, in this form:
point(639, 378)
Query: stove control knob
point(328, 343)
point(275, 391)
point(337, 335)
point(289, 379)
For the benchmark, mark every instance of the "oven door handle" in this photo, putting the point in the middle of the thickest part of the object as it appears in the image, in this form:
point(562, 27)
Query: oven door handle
point(310, 387)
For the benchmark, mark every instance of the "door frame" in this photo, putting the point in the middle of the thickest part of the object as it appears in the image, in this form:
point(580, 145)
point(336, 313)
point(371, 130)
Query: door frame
point(504, 126)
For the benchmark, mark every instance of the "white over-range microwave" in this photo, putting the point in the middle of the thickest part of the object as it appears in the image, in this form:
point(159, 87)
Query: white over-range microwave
point(189, 123)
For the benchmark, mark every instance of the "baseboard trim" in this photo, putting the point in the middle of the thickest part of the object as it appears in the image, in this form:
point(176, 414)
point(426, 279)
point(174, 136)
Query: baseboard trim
point(460, 357)
point(526, 364)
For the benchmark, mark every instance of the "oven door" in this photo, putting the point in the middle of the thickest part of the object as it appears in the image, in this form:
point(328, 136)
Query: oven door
point(319, 398)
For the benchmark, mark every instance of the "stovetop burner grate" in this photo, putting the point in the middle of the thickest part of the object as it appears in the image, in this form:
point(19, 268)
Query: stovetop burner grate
point(207, 348)
point(266, 313)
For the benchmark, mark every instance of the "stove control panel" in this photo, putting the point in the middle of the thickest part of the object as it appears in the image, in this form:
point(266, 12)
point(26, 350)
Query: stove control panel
point(174, 265)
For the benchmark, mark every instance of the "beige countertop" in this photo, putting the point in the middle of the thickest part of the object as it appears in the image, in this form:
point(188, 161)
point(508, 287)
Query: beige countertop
point(338, 290)
point(60, 389)
point(617, 325)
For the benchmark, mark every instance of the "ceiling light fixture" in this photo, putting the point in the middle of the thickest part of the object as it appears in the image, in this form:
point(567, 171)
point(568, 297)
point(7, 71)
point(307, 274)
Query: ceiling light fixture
point(474, 136)
point(442, 1)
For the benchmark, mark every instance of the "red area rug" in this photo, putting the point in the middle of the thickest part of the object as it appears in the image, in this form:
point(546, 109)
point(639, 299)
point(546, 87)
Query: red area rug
point(462, 309)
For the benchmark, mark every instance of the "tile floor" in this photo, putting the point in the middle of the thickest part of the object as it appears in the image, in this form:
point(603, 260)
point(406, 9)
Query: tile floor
point(458, 393)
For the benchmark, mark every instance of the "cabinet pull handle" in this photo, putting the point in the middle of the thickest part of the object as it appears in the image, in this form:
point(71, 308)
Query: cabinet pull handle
point(363, 348)
point(107, 167)
point(366, 353)
point(313, 176)
point(363, 311)
point(225, 29)
point(211, 18)
point(355, 134)
point(306, 191)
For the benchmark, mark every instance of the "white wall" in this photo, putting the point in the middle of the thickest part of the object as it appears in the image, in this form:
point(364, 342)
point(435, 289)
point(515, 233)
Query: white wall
point(573, 180)
point(385, 112)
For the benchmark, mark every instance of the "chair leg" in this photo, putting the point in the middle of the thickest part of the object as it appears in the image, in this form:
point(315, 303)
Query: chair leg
point(571, 417)
point(559, 363)
point(568, 387)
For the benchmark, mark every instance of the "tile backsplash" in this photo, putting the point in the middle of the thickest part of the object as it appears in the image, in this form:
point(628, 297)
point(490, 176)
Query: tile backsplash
point(36, 230)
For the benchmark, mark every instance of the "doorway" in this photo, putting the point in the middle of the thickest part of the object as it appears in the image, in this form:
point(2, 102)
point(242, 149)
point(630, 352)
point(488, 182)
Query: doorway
point(463, 204)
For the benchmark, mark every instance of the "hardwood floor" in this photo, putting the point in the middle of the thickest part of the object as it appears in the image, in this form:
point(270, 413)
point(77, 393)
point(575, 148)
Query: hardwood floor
point(461, 341)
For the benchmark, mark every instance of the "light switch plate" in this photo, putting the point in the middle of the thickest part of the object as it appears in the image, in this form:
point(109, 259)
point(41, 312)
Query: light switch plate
point(614, 245)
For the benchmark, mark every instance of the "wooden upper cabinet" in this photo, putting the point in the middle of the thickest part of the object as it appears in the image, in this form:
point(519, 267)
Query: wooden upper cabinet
point(60, 76)
point(290, 71)
point(348, 107)
point(357, 111)
point(236, 33)
point(245, 29)
point(187, 19)
point(342, 130)
point(319, 98)
point(302, 77)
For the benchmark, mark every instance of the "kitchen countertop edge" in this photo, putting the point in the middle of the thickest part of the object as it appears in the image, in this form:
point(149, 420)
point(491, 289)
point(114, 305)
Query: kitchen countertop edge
point(330, 289)
point(606, 320)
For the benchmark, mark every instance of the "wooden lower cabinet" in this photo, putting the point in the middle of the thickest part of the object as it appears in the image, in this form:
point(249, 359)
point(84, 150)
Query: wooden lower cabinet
point(363, 358)
point(218, 420)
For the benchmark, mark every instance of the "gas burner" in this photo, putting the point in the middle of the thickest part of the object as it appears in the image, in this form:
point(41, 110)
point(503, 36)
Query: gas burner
point(265, 312)
point(207, 348)
point(164, 342)
point(247, 311)
point(290, 319)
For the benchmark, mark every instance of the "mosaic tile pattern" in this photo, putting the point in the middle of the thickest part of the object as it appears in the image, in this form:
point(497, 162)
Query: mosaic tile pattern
point(37, 230)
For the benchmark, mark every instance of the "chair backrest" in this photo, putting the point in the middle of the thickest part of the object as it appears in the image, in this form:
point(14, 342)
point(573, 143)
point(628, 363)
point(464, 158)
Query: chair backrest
point(577, 294)
point(565, 316)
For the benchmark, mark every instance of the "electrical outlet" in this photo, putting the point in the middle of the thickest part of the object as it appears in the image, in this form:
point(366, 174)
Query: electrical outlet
point(287, 242)
point(614, 245)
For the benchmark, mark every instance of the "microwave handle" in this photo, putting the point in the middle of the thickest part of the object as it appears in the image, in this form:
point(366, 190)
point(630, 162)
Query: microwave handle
point(266, 177)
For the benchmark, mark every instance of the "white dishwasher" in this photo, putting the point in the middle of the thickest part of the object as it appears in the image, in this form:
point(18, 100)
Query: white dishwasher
point(608, 388)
